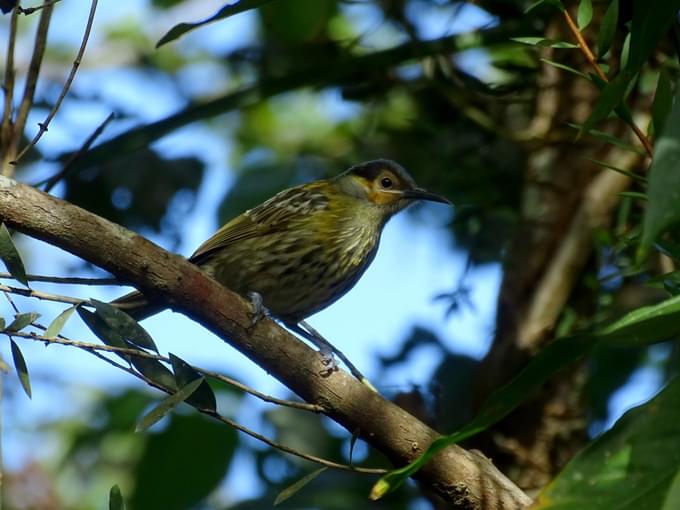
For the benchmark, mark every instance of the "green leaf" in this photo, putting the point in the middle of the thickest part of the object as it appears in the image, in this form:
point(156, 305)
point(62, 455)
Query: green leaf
point(116, 499)
point(672, 500)
point(622, 171)
point(563, 67)
point(10, 256)
point(2, 324)
point(103, 331)
point(664, 181)
point(168, 404)
point(21, 368)
point(58, 323)
point(21, 320)
point(554, 3)
point(182, 464)
point(625, 52)
point(294, 488)
point(633, 194)
point(125, 325)
point(543, 42)
point(225, 12)
point(584, 15)
point(152, 369)
point(610, 98)
point(610, 139)
point(605, 37)
point(663, 102)
point(640, 327)
point(651, 20)
point(633, 466)
point(203, 397)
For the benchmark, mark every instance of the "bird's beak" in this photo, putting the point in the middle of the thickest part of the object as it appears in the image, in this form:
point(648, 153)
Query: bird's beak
point(422, 194)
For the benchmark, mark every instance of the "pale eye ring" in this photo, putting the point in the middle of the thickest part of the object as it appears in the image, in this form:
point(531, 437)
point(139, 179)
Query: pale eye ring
point(386, 182)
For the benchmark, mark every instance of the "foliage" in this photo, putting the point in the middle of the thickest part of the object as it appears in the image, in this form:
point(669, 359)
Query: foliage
point(310, 88)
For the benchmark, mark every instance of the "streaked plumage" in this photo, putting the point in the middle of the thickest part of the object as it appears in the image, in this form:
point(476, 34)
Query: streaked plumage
point(304, 248)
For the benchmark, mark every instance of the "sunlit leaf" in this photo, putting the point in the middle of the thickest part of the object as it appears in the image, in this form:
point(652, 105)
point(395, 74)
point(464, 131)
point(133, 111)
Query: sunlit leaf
point(664, 181)
point(10, 256)
point(294, 488)
point(584, 15)
point(225, 12)
point(116, 499)
point(627, 468)
point(167, 405)
point(203, 397)
point(555, 3)
point(58, 323)
point(625, 52)
point(542, 41)
point(564, 67)
point(672, 500)
point(21, 320)
point(21, 368)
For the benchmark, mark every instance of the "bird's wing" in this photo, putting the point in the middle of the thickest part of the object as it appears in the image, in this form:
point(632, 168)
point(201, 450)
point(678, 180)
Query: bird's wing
point(273, 215)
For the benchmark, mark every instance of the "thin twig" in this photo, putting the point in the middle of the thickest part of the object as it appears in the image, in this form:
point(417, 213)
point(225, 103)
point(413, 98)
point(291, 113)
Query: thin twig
point(51, 181)
point(72, 280)
point(42, 127)
point(32, 75)
point(88, 346)
point(26, 11)
point(93, 348)
point(585, 49)
point(44, 296)
point(8, 89)
point(590, 57)
point(314, 408)
point(11, 302)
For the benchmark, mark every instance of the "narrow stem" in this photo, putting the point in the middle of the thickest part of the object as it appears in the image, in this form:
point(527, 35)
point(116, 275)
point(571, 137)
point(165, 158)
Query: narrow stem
point(8, 89)
point(42, 127)
point(590, 57)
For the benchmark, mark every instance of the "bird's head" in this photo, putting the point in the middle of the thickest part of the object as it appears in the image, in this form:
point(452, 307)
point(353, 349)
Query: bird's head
point(386, 185)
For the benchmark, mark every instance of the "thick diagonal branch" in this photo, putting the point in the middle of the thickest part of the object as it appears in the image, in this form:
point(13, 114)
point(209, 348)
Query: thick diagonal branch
point(465, 479)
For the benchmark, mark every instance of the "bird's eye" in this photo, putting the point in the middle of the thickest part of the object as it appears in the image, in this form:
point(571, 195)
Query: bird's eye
point(386, 182)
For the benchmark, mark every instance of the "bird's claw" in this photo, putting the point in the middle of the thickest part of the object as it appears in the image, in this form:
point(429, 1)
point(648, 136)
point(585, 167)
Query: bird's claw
point(328, 361)
point(259, 310)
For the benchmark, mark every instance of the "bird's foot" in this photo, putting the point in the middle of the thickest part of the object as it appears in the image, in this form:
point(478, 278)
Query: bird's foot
point(259, 310)
point(328, 361)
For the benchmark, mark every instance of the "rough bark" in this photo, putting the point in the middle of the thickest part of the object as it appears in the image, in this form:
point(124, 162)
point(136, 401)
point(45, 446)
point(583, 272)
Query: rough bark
point(566, 199)
point(466, 479)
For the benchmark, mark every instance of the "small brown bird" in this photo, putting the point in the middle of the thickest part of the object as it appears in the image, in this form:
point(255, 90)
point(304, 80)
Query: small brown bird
point(304, 248)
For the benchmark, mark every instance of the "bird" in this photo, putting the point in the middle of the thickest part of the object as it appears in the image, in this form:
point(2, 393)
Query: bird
point(304, 248)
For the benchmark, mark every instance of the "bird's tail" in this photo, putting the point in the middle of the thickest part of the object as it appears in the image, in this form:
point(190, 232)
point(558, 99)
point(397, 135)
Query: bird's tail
point(137, 306)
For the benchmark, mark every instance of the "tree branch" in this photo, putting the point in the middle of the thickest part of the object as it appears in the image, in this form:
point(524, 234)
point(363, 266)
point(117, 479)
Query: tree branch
point(465, 479)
